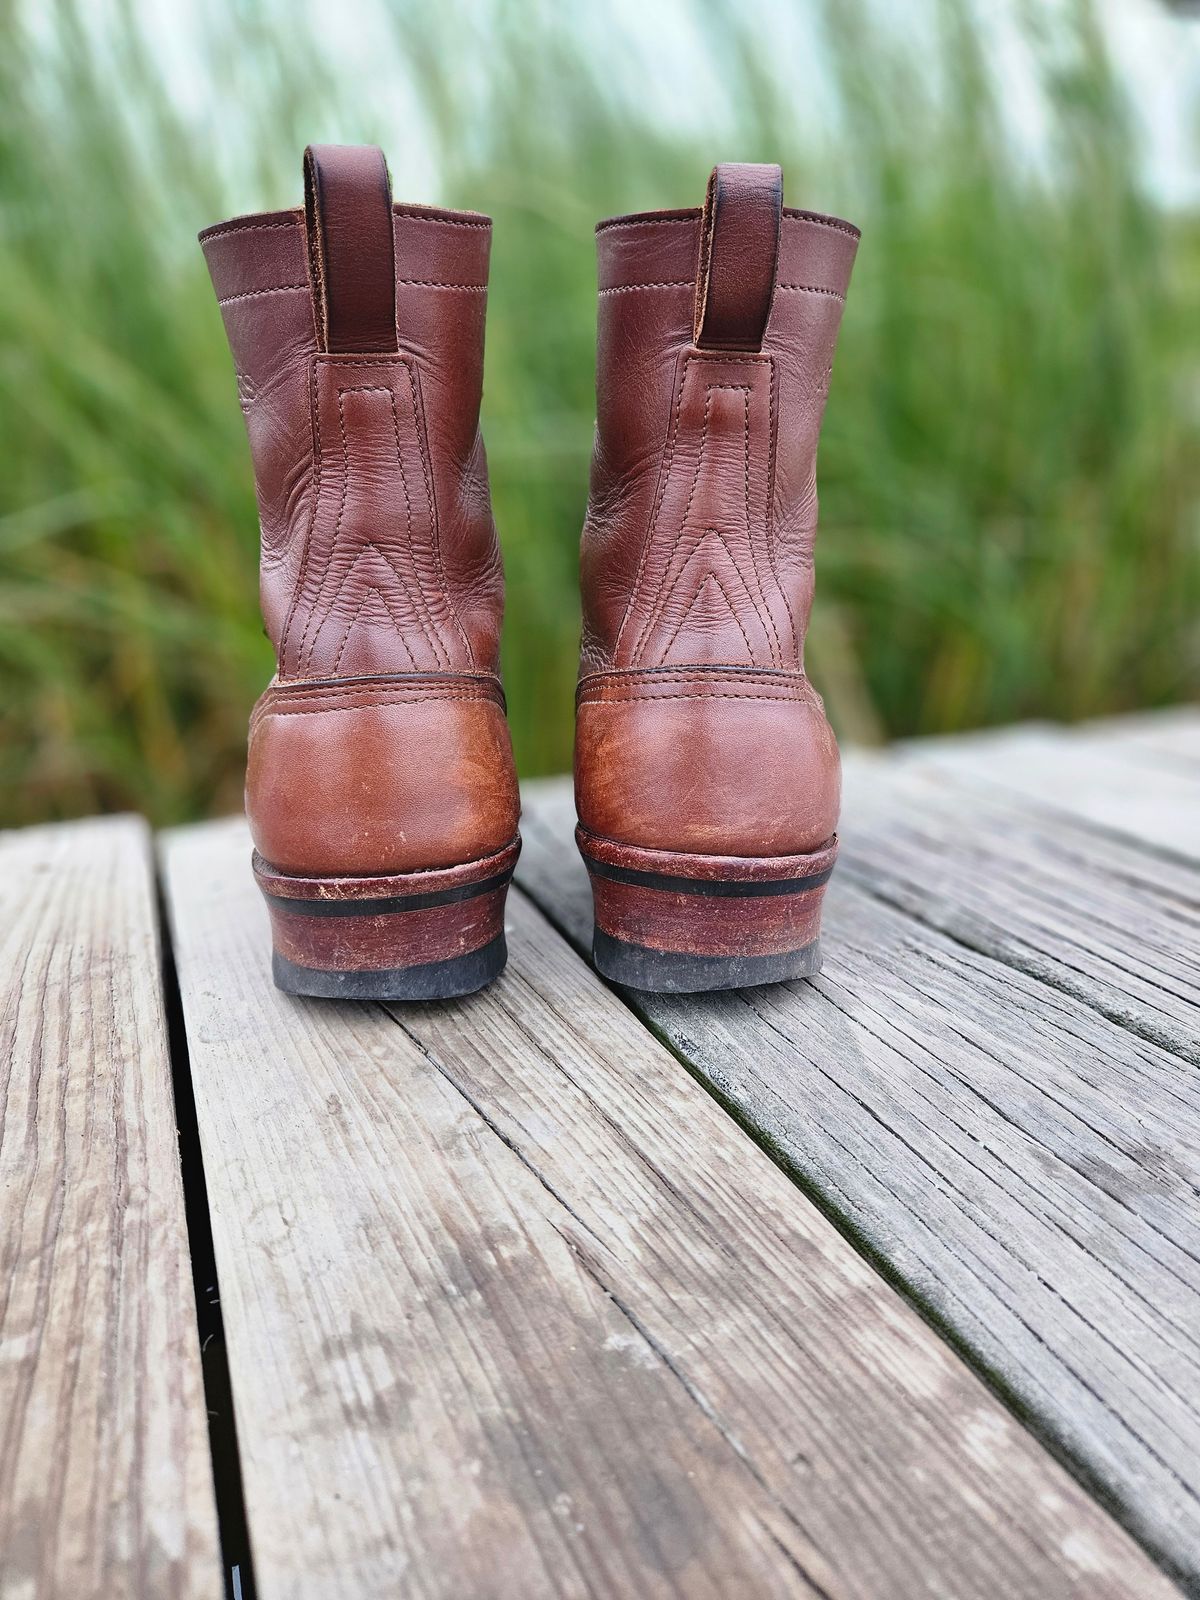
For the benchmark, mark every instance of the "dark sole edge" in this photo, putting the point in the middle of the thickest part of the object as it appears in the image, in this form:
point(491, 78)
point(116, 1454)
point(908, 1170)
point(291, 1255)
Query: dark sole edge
point(637, 966)
point(389, 905)
point(714, 888)
point(433, 980)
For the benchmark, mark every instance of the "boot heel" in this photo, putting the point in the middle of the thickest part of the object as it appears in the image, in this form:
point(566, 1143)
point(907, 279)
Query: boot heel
point(673, 923)
point(410, 936)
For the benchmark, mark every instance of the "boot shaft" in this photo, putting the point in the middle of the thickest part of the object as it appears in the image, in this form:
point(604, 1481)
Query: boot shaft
point(716, 334)
point(707, 778)
point(357, 328)
point(380, 749)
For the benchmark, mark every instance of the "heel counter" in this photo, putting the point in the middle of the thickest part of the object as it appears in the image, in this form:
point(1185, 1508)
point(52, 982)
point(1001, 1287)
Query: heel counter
point(380, 775)
point(719, 763)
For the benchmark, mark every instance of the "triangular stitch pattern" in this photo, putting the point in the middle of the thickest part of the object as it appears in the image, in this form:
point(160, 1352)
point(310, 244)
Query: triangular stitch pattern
point(410, 584)
point(710, 577)
point(667, 585)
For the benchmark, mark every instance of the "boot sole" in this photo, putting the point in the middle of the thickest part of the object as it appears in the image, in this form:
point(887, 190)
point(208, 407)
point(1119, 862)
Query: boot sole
point(672, 923)
point(430, 935)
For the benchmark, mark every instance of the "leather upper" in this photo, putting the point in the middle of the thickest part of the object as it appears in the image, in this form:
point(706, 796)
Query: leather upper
point(715, 345)
point(356, 328)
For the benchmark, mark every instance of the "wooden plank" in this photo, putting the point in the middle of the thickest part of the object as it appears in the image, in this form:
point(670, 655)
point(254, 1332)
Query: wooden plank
point(105, 1478)
point(1096, 776)
point(1173, 734)
point(513, 1308)
point(1085, 910)
point(1025, 1166)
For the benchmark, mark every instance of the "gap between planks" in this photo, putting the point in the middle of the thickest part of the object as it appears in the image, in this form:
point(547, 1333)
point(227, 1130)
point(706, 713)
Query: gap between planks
point(1014, 1159)
point(514, 1308)
point(105, 1477)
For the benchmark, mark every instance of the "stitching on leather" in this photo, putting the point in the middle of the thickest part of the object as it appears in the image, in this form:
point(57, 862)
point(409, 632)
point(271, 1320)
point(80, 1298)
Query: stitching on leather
point(388, 685)
point(660, 601)
point(445, 222)
point(709, 577)
point(314, 412)
point(370, 705)
point(769, 509)
point(418, 423)
point(693, 669)
point(745, 388)
point(370, 544)
point(249, 294)
point(224, 229)
point(312, 610)
point(648, 222)
point(668, 458)
point(698, 538)
point(743, 684)
point(318, 453)
point(716, 532)
point(337, 692)
point(620, 699)
point(811, 288)
point(726, 358)
point(789, 215)
point(305, 649)
point(659, 495)
point(771, 551)
point(362, 696)
point(433, 283)
point(434, 521)
point(358, 611)
point(421, 600)
point(817, 221)
point(746, 393)
point(660, 283)
point(451, 683)
point(439, 649)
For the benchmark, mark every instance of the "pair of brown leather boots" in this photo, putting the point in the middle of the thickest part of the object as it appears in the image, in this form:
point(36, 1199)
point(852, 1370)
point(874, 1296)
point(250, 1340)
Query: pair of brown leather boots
point(381, 790)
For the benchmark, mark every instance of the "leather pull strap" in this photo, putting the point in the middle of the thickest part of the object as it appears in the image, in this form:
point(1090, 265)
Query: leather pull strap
point(351, 247)
point(739, 250)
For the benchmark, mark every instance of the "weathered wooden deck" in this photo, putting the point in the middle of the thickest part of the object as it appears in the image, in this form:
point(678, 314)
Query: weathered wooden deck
point(886, 1285)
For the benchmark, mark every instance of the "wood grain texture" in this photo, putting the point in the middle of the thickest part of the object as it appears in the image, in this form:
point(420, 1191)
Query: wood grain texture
point(105, 1477)
point(1133, 778)
point(1026, 1165)
point(1085, 910)
point(514, 1309)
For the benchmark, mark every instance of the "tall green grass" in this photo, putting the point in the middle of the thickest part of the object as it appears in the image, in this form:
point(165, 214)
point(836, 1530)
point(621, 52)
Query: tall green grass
point(1010, 471)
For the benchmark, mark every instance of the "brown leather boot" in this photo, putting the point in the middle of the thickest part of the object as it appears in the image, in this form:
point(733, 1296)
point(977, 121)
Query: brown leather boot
point(707, 779)
point(380, 790)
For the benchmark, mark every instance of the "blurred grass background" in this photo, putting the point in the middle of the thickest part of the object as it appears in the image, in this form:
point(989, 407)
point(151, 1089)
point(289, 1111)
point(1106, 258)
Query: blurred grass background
point(1010, 469)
